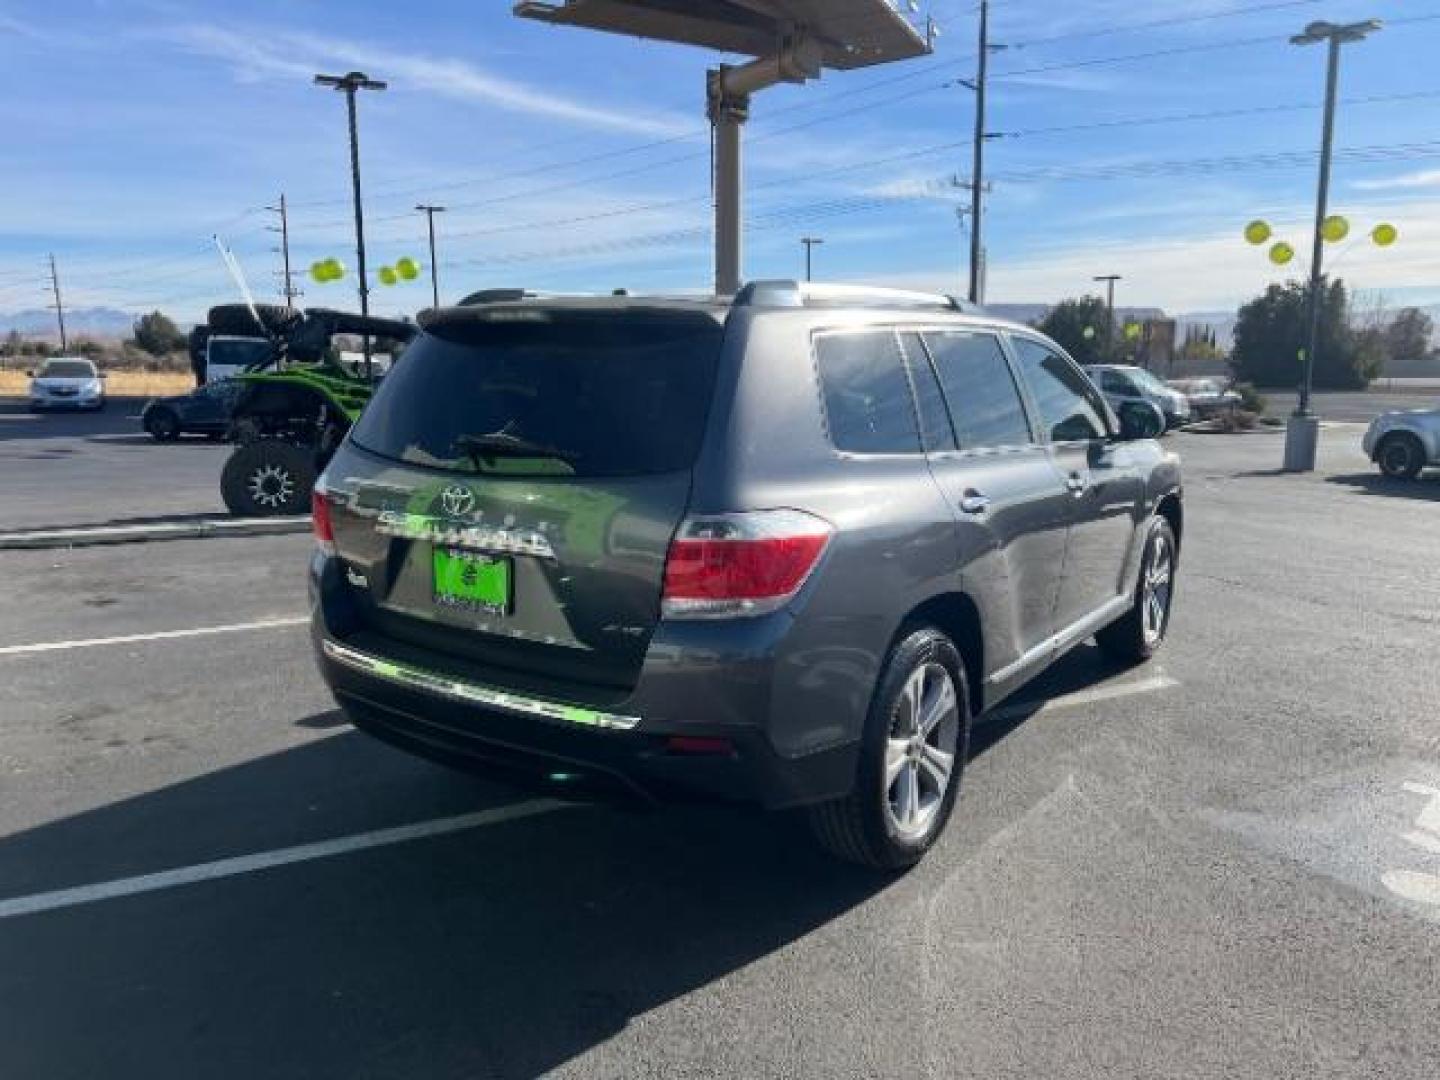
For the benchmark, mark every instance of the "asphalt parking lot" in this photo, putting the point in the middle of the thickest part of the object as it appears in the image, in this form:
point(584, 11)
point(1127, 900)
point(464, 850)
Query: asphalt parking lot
point(1226, 863)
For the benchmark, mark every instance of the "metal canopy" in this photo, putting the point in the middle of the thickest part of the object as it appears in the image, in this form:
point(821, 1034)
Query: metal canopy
point(850, 33)
point(791, 41)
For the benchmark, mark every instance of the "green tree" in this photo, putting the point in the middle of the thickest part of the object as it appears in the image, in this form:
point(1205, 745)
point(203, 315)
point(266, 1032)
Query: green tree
point(1407, 338)
point(1079, 326)
point(157, 335)
point(1273, 330)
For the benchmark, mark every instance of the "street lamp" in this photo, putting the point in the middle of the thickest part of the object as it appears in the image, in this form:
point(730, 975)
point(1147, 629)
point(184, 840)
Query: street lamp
point(1302, 433)
point(430, 212)
point(811, 243)
point(348, 85)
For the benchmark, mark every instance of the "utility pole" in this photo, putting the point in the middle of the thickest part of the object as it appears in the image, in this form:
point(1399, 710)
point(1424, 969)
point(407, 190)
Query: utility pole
point(1110, 280)
point(977, 176)
point(288, 290)
point(811, 243)
point(348, 85)
point(59, 304)
point(430, 212)
point(1303, 431)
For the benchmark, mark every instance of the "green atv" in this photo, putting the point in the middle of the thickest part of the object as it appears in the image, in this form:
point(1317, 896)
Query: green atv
point(295, 406)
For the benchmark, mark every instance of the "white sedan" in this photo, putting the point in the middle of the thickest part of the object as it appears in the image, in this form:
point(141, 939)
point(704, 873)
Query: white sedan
point(66, 382)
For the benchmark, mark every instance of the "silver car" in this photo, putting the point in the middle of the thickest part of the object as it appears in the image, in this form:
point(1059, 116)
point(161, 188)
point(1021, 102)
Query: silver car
point(67, 382)
point(1123, 384)
point(1404, 441)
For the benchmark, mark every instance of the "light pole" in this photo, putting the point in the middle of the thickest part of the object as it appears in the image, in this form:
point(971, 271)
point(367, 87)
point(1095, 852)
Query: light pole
point(1109, 280)
point(811, 243)
point(348, 84)
point(430, 212)
point(1303, 430)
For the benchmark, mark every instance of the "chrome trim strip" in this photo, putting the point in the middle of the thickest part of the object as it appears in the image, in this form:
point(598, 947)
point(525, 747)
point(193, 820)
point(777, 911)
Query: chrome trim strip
point(474, 693)
point(1076, 631)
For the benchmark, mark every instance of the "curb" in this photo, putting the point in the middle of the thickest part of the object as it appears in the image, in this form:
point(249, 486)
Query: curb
point(97, 535)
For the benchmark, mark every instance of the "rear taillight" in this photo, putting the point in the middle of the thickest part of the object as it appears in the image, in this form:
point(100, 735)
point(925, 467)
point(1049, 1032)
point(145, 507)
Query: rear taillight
point(726, 565)
point(320, 522)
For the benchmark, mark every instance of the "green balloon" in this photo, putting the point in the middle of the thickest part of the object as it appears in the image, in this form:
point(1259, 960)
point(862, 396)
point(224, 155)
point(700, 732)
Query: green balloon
point(407, 268)
point(319, 271)
point(1088, 333)
point(1257, 232)
point(334, 269)
point(388, 276)
point(1385, 234)
point(1282, 254)
point(1334, 229)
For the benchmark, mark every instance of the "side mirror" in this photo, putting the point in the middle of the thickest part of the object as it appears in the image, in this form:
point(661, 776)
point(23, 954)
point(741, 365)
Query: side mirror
point(29, 374)
point(1140, 420)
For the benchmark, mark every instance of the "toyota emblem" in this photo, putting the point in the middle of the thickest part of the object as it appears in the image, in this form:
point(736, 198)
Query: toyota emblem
point(457, 501)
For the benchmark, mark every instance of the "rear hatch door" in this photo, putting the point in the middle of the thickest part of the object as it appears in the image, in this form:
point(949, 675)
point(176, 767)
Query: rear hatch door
point(509, 496)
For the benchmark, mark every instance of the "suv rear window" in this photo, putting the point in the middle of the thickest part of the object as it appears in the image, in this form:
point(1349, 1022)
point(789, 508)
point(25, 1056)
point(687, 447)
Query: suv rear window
point(602, 393)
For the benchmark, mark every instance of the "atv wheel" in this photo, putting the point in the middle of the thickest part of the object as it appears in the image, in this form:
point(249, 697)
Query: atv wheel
point(268, 479)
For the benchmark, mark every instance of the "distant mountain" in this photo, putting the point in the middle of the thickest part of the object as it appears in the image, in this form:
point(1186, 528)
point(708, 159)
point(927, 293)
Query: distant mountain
point(93, 322)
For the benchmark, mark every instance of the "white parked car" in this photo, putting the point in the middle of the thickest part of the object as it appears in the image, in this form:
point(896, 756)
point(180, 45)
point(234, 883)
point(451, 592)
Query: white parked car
point(1404, 441)
point(67, 382)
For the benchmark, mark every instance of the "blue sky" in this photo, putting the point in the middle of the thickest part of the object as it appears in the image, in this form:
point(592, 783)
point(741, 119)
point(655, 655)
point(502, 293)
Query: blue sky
point(579, 161)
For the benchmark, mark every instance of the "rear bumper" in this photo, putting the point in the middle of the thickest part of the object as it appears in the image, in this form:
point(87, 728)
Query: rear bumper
point(533, 742)
point(466, 718)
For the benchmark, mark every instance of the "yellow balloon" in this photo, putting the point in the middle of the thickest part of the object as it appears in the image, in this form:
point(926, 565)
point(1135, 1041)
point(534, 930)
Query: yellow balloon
point(407, 268)
point(1335, 228)
point(1281, 254)
point(1257, 232)
point(320, 272)
point(335, 269)
point(1385, 234)
point(1132, 331)
point(1088, 333)
point(388, 276)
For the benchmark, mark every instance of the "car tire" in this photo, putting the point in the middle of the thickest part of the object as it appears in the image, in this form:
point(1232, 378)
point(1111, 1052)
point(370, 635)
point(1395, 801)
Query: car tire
point(268, 479)
point(163, 425)
point(1138, 635)
point(1400, 457)
point(900, 804)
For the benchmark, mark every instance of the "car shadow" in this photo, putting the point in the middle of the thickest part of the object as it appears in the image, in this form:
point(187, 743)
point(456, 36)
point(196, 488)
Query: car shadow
point(504, 950)
point(1426, 487)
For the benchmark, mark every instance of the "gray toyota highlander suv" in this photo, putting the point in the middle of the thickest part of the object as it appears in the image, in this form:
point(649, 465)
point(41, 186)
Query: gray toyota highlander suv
point(781, 548)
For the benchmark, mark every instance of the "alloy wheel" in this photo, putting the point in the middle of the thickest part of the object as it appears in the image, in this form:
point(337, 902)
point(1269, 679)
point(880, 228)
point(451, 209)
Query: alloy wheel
point(272, 486)
point(1158, 586)
point(920, 751)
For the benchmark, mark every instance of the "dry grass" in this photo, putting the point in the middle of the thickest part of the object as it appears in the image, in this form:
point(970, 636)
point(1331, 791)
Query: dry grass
point(119, 384)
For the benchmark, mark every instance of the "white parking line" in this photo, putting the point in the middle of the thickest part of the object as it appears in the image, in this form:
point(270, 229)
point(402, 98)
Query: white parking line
point(268, 860)
point(1150, 685)
point(159, 635)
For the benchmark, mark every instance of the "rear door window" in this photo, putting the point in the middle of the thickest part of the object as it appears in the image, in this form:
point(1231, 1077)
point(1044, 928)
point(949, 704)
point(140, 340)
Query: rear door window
point(868, 402)
point(1070, 408)
point(980, 390)
point(589, 394)
point(935, 427)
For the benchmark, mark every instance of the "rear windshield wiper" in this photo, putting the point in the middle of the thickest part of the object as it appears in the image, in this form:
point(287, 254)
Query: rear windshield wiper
point(499, 444)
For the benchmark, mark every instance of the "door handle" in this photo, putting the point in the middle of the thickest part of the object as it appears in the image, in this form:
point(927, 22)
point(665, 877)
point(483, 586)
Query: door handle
point(1076, 483)
point(972, 502)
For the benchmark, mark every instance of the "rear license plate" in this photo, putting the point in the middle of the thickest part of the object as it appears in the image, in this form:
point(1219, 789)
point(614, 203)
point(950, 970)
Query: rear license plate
point(468, 581)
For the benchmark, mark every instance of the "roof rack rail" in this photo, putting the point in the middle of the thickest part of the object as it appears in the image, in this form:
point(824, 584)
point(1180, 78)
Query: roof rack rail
point(500, 296)
point(797, 294)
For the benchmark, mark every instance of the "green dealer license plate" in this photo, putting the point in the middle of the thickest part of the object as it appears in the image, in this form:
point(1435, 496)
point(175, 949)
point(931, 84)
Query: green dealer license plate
point(468, 581)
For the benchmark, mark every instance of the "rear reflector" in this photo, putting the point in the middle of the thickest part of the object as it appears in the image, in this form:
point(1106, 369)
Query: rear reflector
point(726, 565)
point(320, 523)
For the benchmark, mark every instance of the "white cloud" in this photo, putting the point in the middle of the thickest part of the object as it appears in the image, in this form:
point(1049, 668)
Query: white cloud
point(298, 55)
point(1208, 269)
point(1426, 178)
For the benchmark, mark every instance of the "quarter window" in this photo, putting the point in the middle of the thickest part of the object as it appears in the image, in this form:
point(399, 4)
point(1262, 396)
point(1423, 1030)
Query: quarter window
point(867, 397)
point(934, 419)
point(1069, 407)
point(980, 390)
